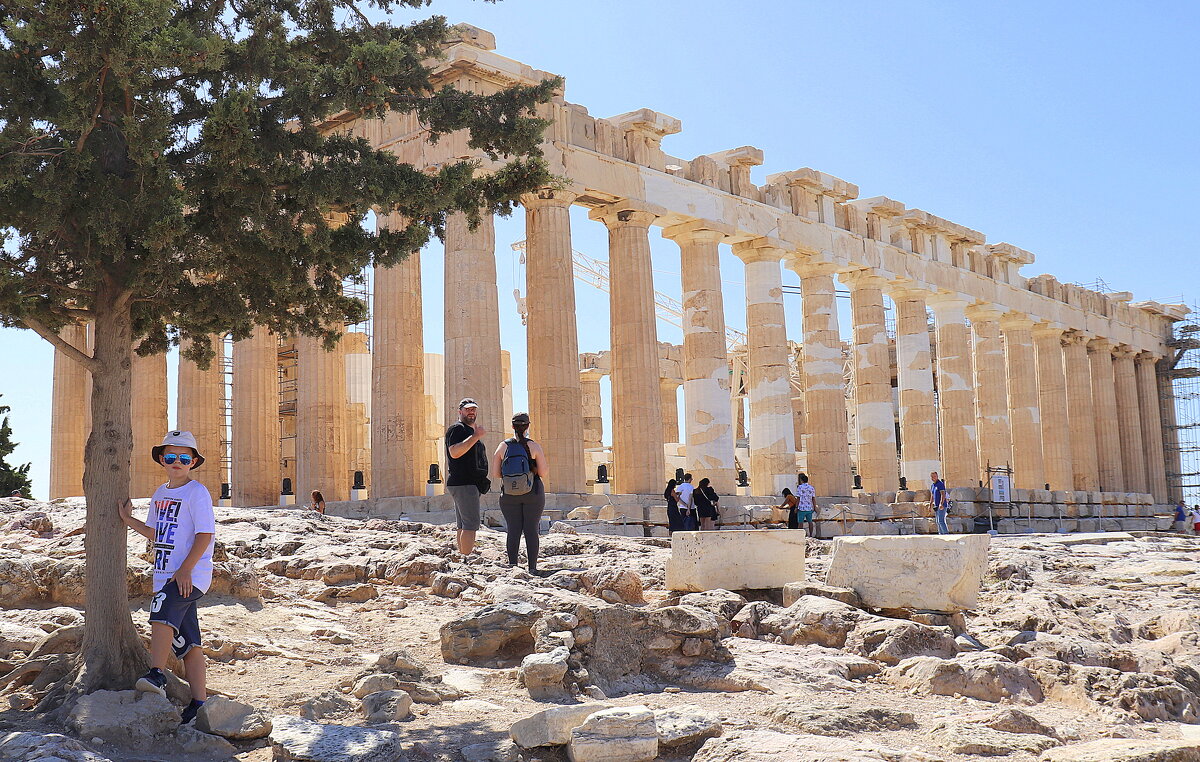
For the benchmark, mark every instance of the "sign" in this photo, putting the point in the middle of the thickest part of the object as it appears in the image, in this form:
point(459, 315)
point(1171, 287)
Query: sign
point(1001, 488)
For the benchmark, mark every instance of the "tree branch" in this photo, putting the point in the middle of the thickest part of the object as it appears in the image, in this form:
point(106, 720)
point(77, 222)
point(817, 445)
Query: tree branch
point(61, 344)
point(96, 114)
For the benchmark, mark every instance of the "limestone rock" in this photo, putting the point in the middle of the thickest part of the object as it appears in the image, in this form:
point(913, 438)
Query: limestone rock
point(984, 676)
point(745, 624)
point(192, 741)
point(970, 738)
point(552, 727)
point(1015, 721)
point(723, 603)
point(615, 585)
point(387, 706)
point(773, 746)
point(890, 641)
point(497, 751)
point(29, 746)
point(373, 683)
point(686, 620)
point(297, 740)
point(327, 704)
point(1150, 697)
point(399, 661)
point(125, 718)
point(1110, 750)
point(684, 725)
point(31, 521)
point(812, 619)
point(735, 560)
point(542, 674)
point(624, 734)
point(232, 719)
point(499, 632)
point(840, 720)
point(793, 591)
point(932, 572)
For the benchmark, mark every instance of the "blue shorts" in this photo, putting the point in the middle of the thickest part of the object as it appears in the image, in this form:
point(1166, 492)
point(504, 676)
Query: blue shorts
point(804, 515)
point(170, 608)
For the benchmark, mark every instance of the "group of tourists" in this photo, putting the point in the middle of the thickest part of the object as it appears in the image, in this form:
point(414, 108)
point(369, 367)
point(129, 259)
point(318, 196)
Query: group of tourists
point(1185, 518)
point(691, 507)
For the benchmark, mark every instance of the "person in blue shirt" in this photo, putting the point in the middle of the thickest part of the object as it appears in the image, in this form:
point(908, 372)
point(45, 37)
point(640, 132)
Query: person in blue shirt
point(937, 491)
point(1181, 516)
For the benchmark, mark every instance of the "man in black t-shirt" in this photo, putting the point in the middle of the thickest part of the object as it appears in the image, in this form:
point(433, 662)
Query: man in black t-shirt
point(466, 470)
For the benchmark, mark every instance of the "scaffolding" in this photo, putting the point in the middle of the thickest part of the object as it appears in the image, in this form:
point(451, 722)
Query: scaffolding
point(1183, 429)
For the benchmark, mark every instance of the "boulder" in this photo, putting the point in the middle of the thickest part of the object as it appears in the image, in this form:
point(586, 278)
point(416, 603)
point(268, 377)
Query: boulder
point(959, 737)
point(615, 585)
point(1112, 750)
point(297, 740)
point(747, 621)
point(1015, 721)
point(191, 741)
point(496, 751)
point(232, 719)
point(890, 641)
point(624, 734)
point(552, 727)
point(399, 661)
point(686, 620)
point(812, 619)
point(374, 683)
point(684, 725)
point(125, 718)
point(928, 572)
point(735, 560)
point(387, 706)
point(31, 521)
point(20, 747)
point(1151, 697)
point(840, 719)
point(327, 704)
point(542, 674)
point(501, 632)
point(723, 603)
point(793, 591)
point(979, 675)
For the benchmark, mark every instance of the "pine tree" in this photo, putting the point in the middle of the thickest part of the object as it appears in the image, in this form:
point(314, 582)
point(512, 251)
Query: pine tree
point(10, 478)
point(164, 173)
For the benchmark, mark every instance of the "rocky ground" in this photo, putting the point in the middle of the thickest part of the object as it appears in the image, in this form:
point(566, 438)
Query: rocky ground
point(336, 639)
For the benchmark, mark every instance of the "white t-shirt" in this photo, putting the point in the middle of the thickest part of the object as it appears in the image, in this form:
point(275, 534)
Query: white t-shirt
point(806, 497)
point(685, 490)
point(177, 516)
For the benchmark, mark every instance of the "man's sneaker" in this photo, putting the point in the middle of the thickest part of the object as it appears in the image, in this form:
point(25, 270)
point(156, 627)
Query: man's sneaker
point(189, 712)
point(152, 682)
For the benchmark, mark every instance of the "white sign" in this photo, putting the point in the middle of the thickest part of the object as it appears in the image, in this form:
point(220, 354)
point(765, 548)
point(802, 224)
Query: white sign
point(1001, 485)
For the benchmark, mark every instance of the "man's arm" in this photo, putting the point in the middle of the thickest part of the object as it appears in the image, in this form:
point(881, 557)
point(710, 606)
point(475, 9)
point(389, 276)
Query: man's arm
point(134, 523)
point(459, 449)
point(183, 575)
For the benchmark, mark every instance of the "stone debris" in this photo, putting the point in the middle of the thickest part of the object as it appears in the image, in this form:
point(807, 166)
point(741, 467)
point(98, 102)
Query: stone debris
point(839, 720)
point(793, 591)
point(294, 739)
point(980, 740)
point(983, 676)
point(501, 632)
point(232, 719)
point(552, 727)
point(1107, 750)
point(684, 725)
point(387, 706)
point(46, 747)
point(542, 674)
point(735, 560)
point(622, 734)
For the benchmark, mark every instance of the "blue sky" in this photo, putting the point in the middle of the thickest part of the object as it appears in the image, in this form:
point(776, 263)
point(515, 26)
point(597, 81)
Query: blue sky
point(1065, 128)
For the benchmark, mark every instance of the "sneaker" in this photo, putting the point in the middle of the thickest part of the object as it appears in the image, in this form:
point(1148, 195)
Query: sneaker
point(152, 682)
point(189, 712)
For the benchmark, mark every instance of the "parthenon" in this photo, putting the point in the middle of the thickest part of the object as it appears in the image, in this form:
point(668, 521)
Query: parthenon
point(1057, 381)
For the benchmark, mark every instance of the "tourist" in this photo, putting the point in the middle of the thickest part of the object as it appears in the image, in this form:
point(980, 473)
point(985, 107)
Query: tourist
point(522, 466)
point(466, 472)
point(16, 493)
point(806, 506)
point(1181, 516)
point(685, 495)
point(937, 495)
point(789, 505)
point(318, 502)
point(706, 504)
point(1196, 519)
point(183, 532)
point(674, 520)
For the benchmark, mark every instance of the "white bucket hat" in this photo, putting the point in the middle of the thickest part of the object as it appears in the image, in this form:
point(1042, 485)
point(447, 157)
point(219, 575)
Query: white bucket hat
point(178, 439)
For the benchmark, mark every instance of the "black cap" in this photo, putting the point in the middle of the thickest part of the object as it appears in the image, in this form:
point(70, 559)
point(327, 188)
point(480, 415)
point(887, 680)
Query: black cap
point(521, 418)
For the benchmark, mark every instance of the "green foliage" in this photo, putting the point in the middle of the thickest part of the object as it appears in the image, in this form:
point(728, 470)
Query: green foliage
point(11, 478)
point(180, 154)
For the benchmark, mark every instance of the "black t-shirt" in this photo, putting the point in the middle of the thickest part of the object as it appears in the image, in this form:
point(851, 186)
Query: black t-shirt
point(472, 467)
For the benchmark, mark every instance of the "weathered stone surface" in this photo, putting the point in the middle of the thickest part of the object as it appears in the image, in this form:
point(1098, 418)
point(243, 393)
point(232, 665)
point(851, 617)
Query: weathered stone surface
point(399, 661)
point(686, 620)
point(684, 725)
point(499, 632)
point(735, 560)
point(387, 706)
point(933, 572)
point(812, 619)
point(840, 720)
point(497, 751)
point(984, 676)
point(1151, 697)
point(979, 740)
point(298, 740)
point(793, 591)
point(1112, 750)
point(552, 727)
point(542, 674)
point(125, 718)
point(327, 704)
point(615, 585)
point(47, 747)
point(890, 641)
point(624, 734)
point(723, 603)
point(374, 683)
point(773, 746)
point(232, 719)
point(192, 741)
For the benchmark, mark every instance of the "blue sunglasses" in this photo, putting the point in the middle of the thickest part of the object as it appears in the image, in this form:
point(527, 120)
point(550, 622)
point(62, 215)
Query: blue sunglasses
point(171, 457)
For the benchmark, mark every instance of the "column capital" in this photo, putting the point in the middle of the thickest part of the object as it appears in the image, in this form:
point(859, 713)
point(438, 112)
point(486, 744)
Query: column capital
point(1016, 321)
point(548, 197)
point(592, 374)
point(1124, 352)
point(948, 306)
point(627, 213)
point(1100, 345)
point(984, 313)
point(903, 289)
point(699, 231)
point(1072, 337)
point(761, 249)
point(1147, 357)
point(856, 279)
point(1048, 330)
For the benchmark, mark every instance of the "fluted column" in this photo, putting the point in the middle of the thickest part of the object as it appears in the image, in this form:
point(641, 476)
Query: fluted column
point(200, 409)
point(914, 373)
point(1172, 456)
point(1152, 430)
point(668, 390)
point(1081, 412)
point(708, 418)
point(356, 358)
point(472, 324)
point(956, 393)
point(1024, 411)
point(1057, 458)
point(638, 461)
point(322, 458)
point(555, 397)
point(772, 438)
point(70, 416)
point(1129, 421)
point(992, 430)
point(1104, 406)
point(824, 381)
point(149, 399)
point(875, 421)
point(255, 466)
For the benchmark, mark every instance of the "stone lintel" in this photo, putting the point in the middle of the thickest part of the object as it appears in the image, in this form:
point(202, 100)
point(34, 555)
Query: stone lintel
point(932, 223)
point(816, 181)
point(600, 362)
point(467, 59)
point(647, 121)
point(745, 156)
point(1121, 297)
point(1011, 253)
point(881, 205)
point(699, 229)
point(761, 249)
point(469, 34)
point(627, 211)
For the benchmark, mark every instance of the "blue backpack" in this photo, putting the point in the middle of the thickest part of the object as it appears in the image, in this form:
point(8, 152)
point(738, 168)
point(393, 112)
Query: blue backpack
point(516, 470)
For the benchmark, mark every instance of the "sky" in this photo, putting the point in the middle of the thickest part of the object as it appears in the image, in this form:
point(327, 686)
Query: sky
point(1067, 129)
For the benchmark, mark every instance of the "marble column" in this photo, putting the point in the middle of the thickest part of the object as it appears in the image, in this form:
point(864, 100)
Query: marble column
point(1024, 411)
point(875, 421)
point(1152, 431)
point(149, 399)
point(914, 374)
point(472, 325)
point(552, 342)
point(1057, 460)
point(824, 381)
point(1129, 420)
point(255, 457)
point(1172, 456)
point(70, 416)
point(1081, 412)
point(639, 466)
point(1104, 407)
point(200, 409)
point(956, 393)
point(593, 414)
point(399, 457)
point(992, 430)
point(772, 442)
point(708, 417)
point(668, 389)
point(356, 358)
point(322, 457)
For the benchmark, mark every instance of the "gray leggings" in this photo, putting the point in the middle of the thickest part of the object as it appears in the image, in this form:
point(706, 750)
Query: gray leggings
point(522, 514)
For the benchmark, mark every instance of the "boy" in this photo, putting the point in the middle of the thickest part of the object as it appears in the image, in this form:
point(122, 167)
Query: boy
point(183, 529)
point(806, 505)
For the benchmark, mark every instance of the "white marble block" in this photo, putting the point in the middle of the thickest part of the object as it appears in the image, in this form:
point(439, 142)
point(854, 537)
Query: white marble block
point(751, 559)
point(933, 572)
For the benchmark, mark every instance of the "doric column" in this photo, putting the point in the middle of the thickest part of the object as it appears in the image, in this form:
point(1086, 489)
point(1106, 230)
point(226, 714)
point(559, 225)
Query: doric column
point(322, 459)
point(1024, 412)
point(149, 394)
point(1104, 407)
point(772, 439)
point(1172, 456)
point(638, 461)
point(824, 381)
point(356, 358)
point(956, 393)
point(1081, 412)
point(875, 420)
point(70, 416)
point(992, 430)
point(552, 342)
point(200, 409)
point(668, 389)
point(398, 416)
point(593, 414)
point(472, 326)
point(1152, 431)
point(255, 458)
point(708, 419)
point(1052, 404)
point(914, 374)
point(1129, 420)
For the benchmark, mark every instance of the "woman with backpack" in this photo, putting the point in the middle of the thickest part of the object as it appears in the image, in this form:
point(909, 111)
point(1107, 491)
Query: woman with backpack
point(706, 504)
point(522, 466)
